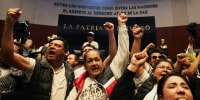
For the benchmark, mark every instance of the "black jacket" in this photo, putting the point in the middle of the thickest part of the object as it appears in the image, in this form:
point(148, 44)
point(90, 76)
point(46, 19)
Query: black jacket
point(195, 87)
point(146, 87)
point(125, 87)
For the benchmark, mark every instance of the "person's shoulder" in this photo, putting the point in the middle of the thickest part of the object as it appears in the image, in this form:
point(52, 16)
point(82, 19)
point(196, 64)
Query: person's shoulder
point(95, 42)
point(85, 43)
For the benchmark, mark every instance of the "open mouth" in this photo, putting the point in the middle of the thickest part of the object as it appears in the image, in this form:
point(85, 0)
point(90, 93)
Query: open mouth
point(95, 69)
point(181, 99)
point(163, 74)
point(51, 53)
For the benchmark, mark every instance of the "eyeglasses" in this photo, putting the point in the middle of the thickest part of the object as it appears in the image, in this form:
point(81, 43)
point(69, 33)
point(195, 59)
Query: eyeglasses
point(155, 57)
point(163, 67)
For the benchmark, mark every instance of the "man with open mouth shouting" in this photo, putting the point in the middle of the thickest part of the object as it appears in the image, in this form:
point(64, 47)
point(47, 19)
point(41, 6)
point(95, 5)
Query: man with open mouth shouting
point(48, 77)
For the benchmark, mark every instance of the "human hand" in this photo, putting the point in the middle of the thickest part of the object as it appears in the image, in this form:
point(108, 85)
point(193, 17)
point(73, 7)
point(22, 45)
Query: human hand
point(150, 45)
point(181, 57)
point(137, 32)
point(13, 15)
point(109, 27)
point(122, 18)
point(137, 60)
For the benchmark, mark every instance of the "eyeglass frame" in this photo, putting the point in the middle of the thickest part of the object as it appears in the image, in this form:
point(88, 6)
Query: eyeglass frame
point(155, 57)
point(163, 67)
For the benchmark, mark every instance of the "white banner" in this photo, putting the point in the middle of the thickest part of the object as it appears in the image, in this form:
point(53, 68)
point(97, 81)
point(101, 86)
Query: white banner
point(46, 12)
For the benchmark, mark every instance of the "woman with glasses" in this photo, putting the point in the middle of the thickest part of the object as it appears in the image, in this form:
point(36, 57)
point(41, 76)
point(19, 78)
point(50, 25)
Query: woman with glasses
point(147, 87)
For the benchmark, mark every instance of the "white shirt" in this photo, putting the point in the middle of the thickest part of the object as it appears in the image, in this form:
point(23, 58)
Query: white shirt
point(59, 83)
point(152, 95)
point(140, 80)
point(92, 90)
point(93, 43)
point(148, 68)
point(79, 71)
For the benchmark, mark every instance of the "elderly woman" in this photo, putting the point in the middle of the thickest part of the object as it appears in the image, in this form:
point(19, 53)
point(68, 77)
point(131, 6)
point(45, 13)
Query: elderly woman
point(97, 82)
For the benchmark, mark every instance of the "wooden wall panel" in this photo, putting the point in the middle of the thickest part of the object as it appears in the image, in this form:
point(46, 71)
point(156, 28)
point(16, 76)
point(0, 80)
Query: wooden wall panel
point(39, 34)
point(176, 39)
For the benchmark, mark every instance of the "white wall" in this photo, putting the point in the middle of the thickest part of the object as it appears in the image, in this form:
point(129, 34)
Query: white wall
point(179, 10)
point(193, 10)
point(6, 4)
point(168, 13)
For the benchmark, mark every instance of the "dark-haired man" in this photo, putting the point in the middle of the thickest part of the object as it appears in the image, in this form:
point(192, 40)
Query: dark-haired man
point(155, 55)
point(49, 78)
point(72, 60)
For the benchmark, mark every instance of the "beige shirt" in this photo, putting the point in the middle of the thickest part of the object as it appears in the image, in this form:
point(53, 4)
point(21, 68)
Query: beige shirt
point(79, 71)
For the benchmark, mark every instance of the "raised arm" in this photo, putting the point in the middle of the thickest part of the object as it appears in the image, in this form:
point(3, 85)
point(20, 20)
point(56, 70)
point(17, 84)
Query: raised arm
point(125, 87)
point(121, 59)
point(192, 68)
point(109, 27)
point(191, 54)
point(180, 59)
point(7, 50)
point(137, 33)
